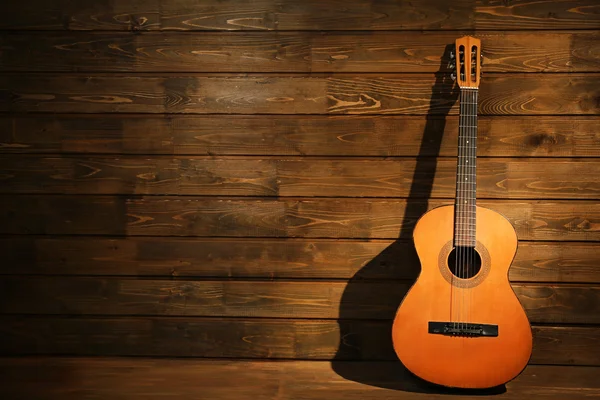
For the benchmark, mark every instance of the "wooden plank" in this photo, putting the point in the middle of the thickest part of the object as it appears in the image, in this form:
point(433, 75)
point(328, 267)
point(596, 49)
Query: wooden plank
point(293, 52)
point(291, 135)
point(514, 94)
point(286, 299)
point(288, 258)
point(135, 15)
point(499, 178)
point(316, 218)
point(249, 338)
point(157, 175)
point(138, 378)
point(573, 341)
point(82, 15)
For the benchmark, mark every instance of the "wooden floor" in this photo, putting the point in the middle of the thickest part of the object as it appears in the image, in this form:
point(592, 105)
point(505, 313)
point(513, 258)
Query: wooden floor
point(143, 378)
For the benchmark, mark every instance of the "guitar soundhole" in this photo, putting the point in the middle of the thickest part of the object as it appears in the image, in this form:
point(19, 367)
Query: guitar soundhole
point(464, 262)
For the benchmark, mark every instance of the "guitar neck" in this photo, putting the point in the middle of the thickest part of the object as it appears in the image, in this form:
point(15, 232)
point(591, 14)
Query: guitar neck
point(466, 179)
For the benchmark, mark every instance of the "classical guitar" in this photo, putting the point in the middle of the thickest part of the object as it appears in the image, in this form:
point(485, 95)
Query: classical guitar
point(461, 325)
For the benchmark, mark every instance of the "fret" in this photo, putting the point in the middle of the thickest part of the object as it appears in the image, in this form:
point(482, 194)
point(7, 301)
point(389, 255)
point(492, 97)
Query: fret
point(466, 178)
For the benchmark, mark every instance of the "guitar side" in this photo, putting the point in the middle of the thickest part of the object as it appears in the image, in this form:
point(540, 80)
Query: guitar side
point(486, 298)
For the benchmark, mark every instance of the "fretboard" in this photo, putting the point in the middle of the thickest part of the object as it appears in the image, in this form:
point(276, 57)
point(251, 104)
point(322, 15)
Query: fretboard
point(464, 217)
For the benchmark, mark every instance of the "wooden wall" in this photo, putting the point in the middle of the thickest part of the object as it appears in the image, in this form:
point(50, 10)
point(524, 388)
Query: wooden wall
point(236, 182)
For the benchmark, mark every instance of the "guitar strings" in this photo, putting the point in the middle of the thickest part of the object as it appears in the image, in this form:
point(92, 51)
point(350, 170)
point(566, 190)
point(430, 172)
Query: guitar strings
point(474, 168)
point(466, 209)
point(468, 199)
point(463, 200)
point(466, 258)
point(458, 216)
point(471, 216)
point(472, 206)
point(460, 256)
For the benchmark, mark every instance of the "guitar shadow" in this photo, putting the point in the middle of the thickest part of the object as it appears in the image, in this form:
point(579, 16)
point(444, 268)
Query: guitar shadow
point(359, 338)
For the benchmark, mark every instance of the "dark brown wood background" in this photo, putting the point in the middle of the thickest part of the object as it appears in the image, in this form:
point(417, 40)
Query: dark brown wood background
point(215, 199)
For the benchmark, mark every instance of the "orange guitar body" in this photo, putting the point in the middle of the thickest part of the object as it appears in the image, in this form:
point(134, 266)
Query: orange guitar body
point(485, 298)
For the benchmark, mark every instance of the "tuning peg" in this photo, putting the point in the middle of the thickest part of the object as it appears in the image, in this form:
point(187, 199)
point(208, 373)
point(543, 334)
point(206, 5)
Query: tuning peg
point(453, 76)
point(452, 55)
point(481, 60)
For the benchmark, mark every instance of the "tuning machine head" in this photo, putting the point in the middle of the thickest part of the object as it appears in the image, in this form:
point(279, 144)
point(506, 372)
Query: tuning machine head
point(452, 61)
point(467, 72)
point(452, 64)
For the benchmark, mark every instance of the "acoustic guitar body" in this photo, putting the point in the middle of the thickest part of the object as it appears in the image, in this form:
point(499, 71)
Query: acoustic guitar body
point(439, 332)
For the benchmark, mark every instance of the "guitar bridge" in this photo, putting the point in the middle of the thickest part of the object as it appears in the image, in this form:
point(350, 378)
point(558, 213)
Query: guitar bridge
point(463, 329)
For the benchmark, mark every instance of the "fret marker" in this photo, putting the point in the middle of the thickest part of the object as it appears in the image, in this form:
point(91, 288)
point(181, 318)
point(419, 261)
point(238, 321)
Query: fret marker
point(466, 179)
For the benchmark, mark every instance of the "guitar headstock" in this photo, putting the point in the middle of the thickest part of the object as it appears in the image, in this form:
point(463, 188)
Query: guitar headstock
point(467, 62)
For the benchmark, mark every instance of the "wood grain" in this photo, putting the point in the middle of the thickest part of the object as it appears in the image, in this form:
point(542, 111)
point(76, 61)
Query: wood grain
point(528, 178)
point(364, 340)
point(316, 218)
point(137, 15)
point(135, 378)
point(138, 378)
point(271, 258)
point(513, 136)
point(577, 51)
point(518, 94)
point(219, 194)
point(287, 299)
